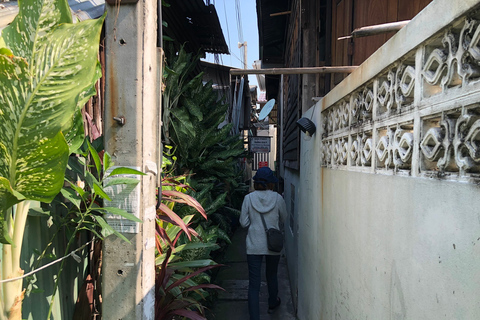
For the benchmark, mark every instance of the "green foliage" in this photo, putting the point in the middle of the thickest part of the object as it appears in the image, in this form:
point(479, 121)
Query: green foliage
point(206, 167)
point(84, 197)
point(181, 281)
point(48, 68)
point(204, 147)
point(176, 75)
point(87, 192)
point(51, 70)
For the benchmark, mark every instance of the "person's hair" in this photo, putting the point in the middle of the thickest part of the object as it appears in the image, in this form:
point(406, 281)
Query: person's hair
point(263, 186)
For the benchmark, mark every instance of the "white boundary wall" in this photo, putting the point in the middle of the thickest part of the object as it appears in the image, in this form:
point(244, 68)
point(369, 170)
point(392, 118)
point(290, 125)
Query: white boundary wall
point(389, 199)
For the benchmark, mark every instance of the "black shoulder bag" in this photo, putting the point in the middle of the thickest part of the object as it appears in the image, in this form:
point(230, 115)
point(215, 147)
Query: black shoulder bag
point(274, 237)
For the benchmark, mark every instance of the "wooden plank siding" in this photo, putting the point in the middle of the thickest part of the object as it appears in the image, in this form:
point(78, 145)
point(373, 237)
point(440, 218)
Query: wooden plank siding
point(366, 13)
point(348, 15)
point(342, 24)
point(292, 92)
point(311, 40)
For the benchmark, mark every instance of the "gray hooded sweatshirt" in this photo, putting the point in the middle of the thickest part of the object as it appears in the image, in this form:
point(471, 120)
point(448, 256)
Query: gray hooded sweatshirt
point(272, 206)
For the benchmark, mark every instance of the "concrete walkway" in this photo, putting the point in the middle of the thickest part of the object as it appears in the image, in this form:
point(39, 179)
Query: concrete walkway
point(232, 304)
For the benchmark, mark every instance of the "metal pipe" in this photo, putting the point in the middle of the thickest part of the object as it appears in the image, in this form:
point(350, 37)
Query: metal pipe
point(307, 70)
point(376, 29)
point(280, 13)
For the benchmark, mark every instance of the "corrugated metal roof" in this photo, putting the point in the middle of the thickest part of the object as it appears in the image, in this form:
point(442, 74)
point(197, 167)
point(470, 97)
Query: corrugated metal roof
point(81, 9)
point(89, 9)
point(196, 25)
point(271, 31)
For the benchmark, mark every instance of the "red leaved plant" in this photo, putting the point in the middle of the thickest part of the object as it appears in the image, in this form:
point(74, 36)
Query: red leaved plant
point(177, 292)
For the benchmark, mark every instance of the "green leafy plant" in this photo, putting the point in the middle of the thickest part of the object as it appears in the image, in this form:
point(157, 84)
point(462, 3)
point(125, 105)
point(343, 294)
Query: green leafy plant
point(177, 73)
point(48, 67)
point(206, 150)
point(84, 199)
point(180, 283)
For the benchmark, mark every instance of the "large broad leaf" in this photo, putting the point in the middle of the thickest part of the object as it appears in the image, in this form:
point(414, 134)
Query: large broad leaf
point(7, 199)
point(74, 130)
point(180, 197)
point(30, 30)
point(39, 94)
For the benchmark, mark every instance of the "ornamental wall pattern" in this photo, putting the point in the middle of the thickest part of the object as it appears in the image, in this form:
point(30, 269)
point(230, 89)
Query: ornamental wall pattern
point(419, 117)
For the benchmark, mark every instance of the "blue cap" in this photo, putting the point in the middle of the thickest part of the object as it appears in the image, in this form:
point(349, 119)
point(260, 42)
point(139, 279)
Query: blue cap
point(265, 175)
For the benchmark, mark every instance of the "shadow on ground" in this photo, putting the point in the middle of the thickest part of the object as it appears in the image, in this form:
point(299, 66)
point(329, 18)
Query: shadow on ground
point(232, 303)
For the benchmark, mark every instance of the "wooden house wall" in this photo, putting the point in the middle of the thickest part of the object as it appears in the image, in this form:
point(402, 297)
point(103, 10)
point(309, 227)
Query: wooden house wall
point(348, 15)
point(292, 92)
point(311, 40)
point(93, 110)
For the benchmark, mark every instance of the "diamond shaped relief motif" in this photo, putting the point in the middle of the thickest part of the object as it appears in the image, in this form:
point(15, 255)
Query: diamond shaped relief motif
point(343, 114)
point(447, 127)
point(369, 98)
point(330, 121)
point(407, 82)
point(474, 46)
point(337, 124)
point(382, 148)
point(327, 152)
point(461, 152)
point(434, 66)
point(324, 157)
point(431, 143)
point(325, 125)
point(405, 146)
point(356, 106)
point(354, 150)
point(367, 151)
point(472, 141)
point(344, 151)
point(384, 94)
point(336, 152)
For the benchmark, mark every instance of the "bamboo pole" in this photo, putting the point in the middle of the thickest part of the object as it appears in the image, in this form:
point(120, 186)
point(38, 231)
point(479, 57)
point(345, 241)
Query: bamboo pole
point(376, 29)
point(280, 13)
point(307, 70)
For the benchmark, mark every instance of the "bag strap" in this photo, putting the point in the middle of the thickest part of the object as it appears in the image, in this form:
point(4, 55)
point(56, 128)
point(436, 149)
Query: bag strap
point(263, 221)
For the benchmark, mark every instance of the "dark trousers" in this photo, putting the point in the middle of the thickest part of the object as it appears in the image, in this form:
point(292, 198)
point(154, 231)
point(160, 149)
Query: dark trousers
point(254, 280)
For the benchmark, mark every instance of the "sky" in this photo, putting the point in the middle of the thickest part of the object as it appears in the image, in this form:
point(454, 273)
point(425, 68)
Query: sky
point(226, 10)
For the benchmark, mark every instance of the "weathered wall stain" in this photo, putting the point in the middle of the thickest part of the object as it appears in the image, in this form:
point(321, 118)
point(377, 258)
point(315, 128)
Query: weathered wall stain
point(398, 310)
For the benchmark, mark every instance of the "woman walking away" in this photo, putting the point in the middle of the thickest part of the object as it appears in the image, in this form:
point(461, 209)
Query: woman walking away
point(269, 204)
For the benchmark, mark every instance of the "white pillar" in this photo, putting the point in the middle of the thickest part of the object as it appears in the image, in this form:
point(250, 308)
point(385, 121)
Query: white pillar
point(128, 286)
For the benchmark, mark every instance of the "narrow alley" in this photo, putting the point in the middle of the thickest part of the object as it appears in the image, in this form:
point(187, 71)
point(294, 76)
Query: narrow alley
point(232, 303)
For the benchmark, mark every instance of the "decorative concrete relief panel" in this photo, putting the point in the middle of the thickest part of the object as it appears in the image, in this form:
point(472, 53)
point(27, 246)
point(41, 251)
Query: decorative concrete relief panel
point(350, 111)
point(385, 93)
point(374, 124)
point(329, 120)
point(454, 62)
point(326, 158)
point(451, 141)
point(361, 150)
point(394, 148)
point(337, 118)
point(340, 151)
point(362, 105)
point(396, 89)
point(404, 85)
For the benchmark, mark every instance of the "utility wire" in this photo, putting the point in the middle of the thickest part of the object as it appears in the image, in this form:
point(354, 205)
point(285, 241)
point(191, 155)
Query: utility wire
point(236, 57)
point(239, 28)
point(239, 21)
point(228, 31)
point(77, 258)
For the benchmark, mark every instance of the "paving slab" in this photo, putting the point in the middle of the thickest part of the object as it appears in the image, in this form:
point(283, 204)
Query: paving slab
point(233, 303)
